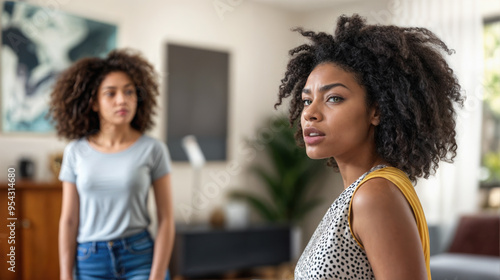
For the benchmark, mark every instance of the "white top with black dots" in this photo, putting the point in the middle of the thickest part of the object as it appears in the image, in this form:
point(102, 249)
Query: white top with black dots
point(332, 252)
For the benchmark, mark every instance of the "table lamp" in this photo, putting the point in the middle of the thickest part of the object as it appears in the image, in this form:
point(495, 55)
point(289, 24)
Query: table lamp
point(197, 161)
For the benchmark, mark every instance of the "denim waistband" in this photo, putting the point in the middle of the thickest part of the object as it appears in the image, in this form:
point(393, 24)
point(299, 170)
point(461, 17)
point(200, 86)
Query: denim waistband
point(120, 242)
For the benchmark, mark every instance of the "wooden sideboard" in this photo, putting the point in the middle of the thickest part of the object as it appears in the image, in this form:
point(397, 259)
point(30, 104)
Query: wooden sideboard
point(37, 209)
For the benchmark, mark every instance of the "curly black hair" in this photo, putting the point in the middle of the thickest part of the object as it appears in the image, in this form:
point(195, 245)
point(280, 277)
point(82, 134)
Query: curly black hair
point(76, 91)
point(405, 76)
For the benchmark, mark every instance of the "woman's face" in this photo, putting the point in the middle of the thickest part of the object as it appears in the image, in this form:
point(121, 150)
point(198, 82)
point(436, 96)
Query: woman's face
point(335, 120)
point(116, 100)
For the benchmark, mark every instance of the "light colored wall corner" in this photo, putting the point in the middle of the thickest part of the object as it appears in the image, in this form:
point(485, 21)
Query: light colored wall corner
point(257, 38)
point(490, 8)
point(378, 11)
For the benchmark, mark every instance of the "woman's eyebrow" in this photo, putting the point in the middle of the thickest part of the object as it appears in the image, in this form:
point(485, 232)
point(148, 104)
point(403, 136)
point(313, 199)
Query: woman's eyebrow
point(325, 87)
point(114, 87)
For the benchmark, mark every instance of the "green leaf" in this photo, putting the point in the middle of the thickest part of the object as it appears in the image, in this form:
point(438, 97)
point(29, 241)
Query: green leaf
point(288, 181)
point(262, 207)
point(273, 186)
point(306, 208)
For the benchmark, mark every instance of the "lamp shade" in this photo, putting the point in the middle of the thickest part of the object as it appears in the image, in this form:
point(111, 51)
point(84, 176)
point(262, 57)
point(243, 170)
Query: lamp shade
point(193, 151)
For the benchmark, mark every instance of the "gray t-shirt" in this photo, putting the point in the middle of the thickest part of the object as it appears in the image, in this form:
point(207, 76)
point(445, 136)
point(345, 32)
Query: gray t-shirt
point(113, 187)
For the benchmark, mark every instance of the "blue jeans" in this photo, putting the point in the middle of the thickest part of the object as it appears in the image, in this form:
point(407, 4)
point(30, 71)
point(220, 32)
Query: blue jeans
point(128, 258)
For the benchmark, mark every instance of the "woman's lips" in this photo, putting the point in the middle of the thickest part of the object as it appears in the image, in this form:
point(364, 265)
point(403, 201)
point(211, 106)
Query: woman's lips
point(122, 112)
point(313, 136)
point(313, 140)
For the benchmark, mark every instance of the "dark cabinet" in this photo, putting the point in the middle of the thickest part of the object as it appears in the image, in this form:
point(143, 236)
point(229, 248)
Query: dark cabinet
point(202, 251)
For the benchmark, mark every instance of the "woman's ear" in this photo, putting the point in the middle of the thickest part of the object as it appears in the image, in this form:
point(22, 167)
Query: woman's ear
point(94, 105)
point(375, 115)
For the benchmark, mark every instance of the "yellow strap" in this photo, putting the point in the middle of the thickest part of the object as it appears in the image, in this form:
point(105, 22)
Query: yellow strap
point(399, 178)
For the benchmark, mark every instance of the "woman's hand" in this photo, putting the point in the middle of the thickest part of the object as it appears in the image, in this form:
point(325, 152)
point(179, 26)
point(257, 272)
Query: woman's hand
point(68, 229)
point(166, 228)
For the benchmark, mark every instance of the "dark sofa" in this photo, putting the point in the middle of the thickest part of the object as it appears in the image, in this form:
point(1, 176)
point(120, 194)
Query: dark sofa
point(474, 253)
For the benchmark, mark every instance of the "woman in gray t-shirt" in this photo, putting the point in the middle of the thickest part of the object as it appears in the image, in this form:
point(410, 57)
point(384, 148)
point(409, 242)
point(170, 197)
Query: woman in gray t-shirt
point(104, 106)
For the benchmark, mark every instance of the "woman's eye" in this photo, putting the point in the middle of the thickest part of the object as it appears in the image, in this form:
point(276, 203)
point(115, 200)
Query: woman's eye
point(130, 92)
point(306, 102)
point(335, 99)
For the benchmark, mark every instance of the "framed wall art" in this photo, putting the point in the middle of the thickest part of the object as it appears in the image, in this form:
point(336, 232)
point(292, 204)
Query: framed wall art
point(38, 43)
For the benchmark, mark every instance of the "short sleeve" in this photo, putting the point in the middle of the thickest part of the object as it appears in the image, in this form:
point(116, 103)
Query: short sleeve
point(67, 172)
point(162, 164)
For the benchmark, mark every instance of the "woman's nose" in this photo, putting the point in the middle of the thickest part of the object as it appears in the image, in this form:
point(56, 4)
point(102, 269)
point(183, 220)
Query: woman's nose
point(312, 112)
point(120, 97)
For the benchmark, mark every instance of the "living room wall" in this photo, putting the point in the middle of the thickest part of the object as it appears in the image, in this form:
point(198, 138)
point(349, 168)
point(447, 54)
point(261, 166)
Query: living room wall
point(258, 38)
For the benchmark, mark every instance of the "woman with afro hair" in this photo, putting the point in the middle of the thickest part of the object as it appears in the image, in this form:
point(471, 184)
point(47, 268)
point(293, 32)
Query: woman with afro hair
point(105, 106)
point(378, 102)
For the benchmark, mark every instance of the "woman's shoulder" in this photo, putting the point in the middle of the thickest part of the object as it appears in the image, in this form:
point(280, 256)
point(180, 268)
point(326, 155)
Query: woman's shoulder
point(386, 221)
point(156, 145)
point(390, 173)
point(75, 144)
point(377, 202)
point(377, 192)
point(383, 190)
point(149, 140)
point(382, 187)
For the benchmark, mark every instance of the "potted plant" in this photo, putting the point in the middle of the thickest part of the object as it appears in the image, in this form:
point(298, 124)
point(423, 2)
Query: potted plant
point(289, 180)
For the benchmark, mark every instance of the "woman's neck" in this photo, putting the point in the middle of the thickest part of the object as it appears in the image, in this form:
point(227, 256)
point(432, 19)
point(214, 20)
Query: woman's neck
point(114, 137)
point(352, 170)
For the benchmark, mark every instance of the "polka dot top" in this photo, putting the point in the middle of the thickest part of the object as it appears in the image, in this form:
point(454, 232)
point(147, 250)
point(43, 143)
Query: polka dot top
point(333, 252)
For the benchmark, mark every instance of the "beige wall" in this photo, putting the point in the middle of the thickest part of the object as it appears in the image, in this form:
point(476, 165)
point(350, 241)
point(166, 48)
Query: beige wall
point(257, 36)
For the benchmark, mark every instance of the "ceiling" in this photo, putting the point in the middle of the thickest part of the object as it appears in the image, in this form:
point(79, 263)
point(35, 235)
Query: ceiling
point(305, 5)
point(488, 7)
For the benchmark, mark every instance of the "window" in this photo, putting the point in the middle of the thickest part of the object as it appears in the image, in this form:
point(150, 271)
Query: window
point(490, 146)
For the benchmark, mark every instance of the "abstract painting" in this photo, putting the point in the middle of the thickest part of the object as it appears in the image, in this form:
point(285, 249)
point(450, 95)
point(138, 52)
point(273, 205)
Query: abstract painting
point(38, 43)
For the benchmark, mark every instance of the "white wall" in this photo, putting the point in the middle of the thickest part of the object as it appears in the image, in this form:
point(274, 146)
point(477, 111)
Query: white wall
point(490, 8)
point(257, 38)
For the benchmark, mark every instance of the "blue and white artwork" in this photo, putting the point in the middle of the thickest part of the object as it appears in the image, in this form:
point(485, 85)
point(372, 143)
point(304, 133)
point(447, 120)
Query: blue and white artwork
point(38, 43)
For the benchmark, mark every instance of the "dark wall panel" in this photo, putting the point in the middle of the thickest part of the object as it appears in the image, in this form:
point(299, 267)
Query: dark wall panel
point(197, 101)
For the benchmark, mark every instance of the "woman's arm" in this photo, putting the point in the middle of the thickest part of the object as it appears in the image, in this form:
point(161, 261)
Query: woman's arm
point(68, 229)
point(166, 228)
point(383, 222)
